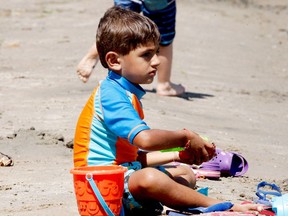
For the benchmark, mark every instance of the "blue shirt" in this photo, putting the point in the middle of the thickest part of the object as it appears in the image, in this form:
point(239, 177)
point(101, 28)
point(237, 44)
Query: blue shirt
point(109, 122)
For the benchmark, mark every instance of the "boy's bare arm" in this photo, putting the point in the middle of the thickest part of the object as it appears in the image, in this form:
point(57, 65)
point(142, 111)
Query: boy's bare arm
point(155, 158)
point(197, 150)
point(154, 139)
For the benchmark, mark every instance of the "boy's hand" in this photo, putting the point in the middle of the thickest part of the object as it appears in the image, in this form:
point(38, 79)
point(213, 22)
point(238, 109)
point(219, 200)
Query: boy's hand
point(197, 150)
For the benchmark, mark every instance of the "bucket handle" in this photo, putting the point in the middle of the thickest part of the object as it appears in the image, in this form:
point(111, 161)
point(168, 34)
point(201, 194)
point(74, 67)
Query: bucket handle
point(89, 177)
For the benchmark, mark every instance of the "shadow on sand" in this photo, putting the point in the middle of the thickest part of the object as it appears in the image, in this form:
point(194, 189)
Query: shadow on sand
point(188, 95)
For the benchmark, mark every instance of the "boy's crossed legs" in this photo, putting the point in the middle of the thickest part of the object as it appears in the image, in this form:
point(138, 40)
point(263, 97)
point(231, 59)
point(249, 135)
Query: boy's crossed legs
point(173, 191)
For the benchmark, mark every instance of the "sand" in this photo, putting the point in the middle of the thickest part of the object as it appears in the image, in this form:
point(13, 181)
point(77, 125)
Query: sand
point(230, 55)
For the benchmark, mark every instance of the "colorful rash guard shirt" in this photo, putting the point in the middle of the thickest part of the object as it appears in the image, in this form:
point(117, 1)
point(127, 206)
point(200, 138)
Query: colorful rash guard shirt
point(110, 120)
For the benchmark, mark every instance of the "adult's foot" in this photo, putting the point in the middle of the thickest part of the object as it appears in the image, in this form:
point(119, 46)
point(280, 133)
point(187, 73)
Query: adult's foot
point(170, 89)
point(85, 68)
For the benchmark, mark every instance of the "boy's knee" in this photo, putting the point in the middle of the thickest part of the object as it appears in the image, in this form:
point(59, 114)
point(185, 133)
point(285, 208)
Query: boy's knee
point(150, 178)
point(188, 175)
point(144, 179)
point(186, 170)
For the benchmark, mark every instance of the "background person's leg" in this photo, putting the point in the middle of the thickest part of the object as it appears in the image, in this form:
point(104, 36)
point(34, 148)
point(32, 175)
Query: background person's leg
point(165, 19)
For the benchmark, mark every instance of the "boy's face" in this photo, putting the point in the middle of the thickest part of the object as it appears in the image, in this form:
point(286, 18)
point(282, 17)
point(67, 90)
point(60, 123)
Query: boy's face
point(140, 65)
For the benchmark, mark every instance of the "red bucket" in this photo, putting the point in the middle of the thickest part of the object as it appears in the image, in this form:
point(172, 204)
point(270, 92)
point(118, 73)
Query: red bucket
point(109, 181)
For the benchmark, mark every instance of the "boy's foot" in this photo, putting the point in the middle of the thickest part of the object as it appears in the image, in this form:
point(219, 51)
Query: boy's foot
point(85, 68)
point(169, 89)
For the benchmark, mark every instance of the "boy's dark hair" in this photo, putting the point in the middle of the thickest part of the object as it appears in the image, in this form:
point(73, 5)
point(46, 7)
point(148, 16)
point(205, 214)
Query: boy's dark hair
point(121, 30)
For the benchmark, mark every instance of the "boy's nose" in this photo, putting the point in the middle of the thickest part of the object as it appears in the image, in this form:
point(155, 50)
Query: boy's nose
point(155, 61)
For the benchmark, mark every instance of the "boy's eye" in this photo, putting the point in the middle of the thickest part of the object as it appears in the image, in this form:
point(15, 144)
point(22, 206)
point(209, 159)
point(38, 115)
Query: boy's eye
point(148, 55)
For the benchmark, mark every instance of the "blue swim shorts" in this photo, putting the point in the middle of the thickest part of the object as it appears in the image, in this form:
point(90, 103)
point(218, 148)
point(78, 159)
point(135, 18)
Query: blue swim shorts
point(162, 12)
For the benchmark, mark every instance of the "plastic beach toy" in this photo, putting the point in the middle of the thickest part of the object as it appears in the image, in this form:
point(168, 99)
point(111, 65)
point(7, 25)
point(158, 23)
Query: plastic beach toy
point(99, 190)
point(280, 205)
point(220, 207)
point(267, 191)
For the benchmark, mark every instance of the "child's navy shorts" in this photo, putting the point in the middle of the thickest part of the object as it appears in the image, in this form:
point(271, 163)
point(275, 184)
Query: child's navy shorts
point(162, 12)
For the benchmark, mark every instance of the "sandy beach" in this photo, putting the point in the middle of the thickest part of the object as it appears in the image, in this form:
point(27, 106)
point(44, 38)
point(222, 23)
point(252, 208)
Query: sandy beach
point(231, 55)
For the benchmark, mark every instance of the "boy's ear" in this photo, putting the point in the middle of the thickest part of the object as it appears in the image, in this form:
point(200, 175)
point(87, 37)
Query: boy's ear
point(112, 60)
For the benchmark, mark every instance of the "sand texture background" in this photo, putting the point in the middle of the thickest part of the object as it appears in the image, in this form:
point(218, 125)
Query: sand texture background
point(232, 56)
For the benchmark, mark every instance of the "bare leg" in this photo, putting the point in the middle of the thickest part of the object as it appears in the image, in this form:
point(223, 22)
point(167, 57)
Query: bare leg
point(165, 87)
point(151, 184)
point(87, 64)
point(183, 175)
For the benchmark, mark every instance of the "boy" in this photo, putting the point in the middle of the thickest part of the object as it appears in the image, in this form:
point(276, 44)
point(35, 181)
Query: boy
point(111, 129)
